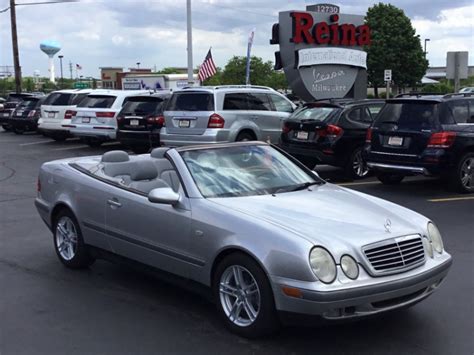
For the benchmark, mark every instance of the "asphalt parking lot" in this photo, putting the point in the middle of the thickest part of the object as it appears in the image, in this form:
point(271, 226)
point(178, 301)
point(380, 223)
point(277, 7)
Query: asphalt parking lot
point(110, 309)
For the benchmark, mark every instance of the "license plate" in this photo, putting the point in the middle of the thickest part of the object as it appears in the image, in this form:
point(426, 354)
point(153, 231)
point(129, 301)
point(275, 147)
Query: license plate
point(86, 119)
point(302, 135)
point(184, 123)
point(397, 141)
point(19, 113)
point(134, 122)
point(5, 114)
point(51, 114)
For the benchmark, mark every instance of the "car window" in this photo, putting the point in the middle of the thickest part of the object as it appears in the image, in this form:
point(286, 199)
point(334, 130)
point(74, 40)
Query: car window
point(142, 105)
point(28, 104)
point(355, 114)
point(281, 104)
point(97, 101)
point(374, 110)
point(78, 98)
point(314, 113)
point(58, 99)
point(236, 101)
point(412, 116)
point(191, 101)
point(259, 102)
point(460, 111)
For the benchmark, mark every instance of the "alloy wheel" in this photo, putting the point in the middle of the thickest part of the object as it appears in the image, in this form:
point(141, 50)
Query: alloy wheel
point(467, 174)
point(239, 295)
point(66, 238)
point(359, 166)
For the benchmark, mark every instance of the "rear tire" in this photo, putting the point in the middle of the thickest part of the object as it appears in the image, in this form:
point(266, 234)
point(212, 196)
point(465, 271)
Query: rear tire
point(18, 131)
point(390, 179)
point(247, 306)
point(356, 167)
point(68, 242)
point(245, 136)
point(462, 178)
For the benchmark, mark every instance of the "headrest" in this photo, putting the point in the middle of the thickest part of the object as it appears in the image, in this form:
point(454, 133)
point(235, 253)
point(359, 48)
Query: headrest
point(143, 170)
point(115, 156)
point(159, 153)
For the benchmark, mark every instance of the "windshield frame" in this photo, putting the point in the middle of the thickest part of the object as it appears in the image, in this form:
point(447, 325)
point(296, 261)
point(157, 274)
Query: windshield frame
point(313, 178)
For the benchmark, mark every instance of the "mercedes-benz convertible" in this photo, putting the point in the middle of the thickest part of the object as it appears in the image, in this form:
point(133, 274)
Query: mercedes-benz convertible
point(268, 236)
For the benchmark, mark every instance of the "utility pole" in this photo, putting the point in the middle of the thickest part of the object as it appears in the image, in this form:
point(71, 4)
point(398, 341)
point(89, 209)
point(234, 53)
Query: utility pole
point(16, 56)
point(61, 64)
point(70, 68)
point(190, 43)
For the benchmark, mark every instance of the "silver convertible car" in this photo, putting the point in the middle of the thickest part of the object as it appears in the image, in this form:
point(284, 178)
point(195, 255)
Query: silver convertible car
point(267, 235)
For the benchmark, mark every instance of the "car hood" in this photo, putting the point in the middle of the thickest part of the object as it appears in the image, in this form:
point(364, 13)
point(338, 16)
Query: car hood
point(329, 215)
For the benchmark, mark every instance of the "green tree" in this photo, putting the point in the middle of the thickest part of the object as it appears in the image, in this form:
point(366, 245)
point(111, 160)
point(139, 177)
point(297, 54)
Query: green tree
point(394, 46)
point(234, 71)
point(216, 79)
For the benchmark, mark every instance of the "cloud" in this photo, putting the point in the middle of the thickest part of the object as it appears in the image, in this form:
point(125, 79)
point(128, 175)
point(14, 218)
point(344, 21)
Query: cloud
point(121, 32)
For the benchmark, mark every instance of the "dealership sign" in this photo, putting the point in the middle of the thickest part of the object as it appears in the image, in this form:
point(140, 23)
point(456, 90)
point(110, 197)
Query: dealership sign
point(321, 52)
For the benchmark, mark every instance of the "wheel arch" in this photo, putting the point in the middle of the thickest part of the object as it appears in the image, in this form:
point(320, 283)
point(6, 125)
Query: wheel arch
point(58, 208)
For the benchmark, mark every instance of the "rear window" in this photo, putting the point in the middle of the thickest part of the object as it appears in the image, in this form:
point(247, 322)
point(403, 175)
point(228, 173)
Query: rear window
point(16, 97)
point(28, 104)
point(143, 105)
point(78, 98)
point(58, 99)
point(195, 101)
point(319, 114)
point(412, 116)
point(97, 101)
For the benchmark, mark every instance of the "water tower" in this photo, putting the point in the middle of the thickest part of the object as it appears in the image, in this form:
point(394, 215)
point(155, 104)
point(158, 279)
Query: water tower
point(50, 48)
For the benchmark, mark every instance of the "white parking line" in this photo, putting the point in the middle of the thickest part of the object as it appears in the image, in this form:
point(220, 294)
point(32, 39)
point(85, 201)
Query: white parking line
point(37, 142)
point(359, 183)
point(72, 148)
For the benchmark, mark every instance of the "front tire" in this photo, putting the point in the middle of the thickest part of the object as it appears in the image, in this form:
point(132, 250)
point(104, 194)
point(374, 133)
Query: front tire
point(68, 242)
point(462, 179)
point(390, 179)
point(244, 297)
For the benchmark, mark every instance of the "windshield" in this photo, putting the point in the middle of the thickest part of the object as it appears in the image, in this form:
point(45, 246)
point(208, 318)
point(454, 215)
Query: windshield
point(412, 116)
point(142, 105)
point(245, 171)
point(319, 114)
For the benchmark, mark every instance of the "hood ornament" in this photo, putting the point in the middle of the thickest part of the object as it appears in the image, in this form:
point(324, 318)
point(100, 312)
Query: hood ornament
point(388, 225)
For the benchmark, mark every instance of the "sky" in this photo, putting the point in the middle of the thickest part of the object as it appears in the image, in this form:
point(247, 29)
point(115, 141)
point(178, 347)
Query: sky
point(100, 33)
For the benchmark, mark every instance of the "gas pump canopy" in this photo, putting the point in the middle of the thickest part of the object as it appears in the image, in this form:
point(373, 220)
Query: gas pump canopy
point(321, 52)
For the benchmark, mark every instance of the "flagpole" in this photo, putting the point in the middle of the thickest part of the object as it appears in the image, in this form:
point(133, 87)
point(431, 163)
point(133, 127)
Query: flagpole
point(249, 48)
point(190, 43)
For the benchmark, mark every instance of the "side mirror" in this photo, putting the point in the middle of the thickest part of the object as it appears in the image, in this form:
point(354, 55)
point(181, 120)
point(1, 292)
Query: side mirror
point(164, 195)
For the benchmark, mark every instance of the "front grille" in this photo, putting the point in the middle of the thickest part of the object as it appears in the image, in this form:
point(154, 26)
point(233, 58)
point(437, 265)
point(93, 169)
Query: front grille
point(395, 255)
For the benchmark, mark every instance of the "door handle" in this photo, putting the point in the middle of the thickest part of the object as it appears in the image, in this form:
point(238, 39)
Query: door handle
point(114, 203)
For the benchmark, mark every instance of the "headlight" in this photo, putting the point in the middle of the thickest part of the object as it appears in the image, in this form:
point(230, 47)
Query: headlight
point(435, 236)
point(428, 247)
point(350, 267)
point(323, 264)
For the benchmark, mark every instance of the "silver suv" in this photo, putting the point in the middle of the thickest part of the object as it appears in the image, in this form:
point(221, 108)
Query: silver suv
point(205, 115)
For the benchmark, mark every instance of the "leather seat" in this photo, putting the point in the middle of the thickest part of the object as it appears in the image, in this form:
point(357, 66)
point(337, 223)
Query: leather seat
point(144, 177)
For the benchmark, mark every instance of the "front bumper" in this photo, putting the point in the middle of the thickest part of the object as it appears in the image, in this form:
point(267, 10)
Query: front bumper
point(103, 132)
point(362, 301)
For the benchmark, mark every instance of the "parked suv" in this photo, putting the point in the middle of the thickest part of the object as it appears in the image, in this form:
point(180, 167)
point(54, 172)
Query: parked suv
point(10, 105)
point(140, 120)
point(25, 117)
point(331, 133)
point(204, 115)
point(56, 112)
point(95, 118)
point(424, 135)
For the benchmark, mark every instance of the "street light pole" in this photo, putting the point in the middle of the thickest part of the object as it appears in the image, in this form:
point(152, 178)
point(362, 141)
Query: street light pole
point(138, 65)
point(190, 43)
point(16, 56)
point(61, 65)
point(426, 40)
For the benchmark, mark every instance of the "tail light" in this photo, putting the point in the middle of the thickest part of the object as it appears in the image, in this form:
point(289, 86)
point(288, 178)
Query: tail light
point(38, 185)
point(69, 114)
point(368, 137)
point(105, 114)
point(215, 121)
point(158, 120)
point(286, 127)
point(331, 131)
point(31, 114)
point(442, 140)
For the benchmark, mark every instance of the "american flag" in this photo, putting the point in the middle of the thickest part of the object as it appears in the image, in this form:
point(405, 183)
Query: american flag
point(208, 68)
point(78, 67)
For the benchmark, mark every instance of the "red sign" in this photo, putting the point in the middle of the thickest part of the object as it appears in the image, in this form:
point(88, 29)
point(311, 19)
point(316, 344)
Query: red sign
point(304, 30)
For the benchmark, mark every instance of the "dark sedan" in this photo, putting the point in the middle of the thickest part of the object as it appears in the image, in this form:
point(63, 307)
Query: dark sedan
point(25, 117)
point(331, 133)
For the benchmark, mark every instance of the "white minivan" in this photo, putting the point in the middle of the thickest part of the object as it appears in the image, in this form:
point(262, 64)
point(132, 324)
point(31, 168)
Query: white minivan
point(56, 112)
point(95, 118)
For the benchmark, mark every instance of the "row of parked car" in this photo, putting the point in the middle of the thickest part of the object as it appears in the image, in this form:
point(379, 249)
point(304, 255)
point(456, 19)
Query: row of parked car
point(411, 134)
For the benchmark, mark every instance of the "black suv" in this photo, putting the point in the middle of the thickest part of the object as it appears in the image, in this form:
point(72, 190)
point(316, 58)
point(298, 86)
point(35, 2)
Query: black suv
point(429, 135)
point(331, 133)
point(140, 121)
point(13, 100)
point(25, 117)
